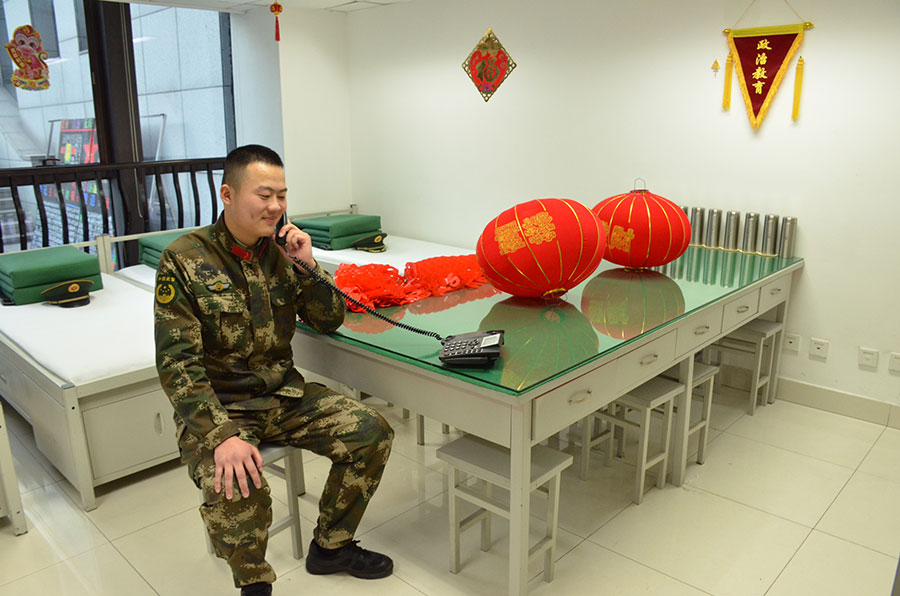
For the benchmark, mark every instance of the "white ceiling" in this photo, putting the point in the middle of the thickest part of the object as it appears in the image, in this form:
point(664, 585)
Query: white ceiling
point(241, 6)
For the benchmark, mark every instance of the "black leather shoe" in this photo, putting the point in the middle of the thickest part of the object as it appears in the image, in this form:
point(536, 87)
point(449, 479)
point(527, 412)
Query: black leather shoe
point(351, 559)
point(257, 589)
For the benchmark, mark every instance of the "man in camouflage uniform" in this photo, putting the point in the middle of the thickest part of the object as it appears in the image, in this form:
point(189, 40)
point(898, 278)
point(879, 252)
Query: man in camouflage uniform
point(226, 304)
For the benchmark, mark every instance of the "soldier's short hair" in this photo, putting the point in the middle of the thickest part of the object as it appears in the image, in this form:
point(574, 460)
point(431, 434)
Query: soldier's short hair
point(238, 159)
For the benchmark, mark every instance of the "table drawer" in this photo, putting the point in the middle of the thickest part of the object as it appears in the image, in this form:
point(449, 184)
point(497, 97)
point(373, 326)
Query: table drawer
point(740, 309)
point(573, 401)
point(645, 362)
point(774, 293)
point(698, 330)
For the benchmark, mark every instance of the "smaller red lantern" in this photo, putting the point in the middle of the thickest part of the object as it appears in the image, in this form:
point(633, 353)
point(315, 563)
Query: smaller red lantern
point(643, 229)
point(276, 9)
point(541, 248)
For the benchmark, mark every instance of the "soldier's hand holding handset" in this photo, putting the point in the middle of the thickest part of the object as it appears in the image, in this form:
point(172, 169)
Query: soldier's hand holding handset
point(296, 243)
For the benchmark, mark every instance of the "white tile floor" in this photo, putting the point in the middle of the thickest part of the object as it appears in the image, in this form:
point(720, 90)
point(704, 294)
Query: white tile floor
point(792, 501)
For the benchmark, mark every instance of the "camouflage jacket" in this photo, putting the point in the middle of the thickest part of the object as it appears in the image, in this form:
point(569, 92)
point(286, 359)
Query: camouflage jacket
point(225, 317)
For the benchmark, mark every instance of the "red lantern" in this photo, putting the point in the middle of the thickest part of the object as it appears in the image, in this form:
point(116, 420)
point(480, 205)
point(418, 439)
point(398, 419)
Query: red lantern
point(541, 248)
point(623, 303)
point(643, 229)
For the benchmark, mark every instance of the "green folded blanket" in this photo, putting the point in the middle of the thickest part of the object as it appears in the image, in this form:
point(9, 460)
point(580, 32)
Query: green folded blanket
point(336, 226)
point(340, 242)
point(32, 294)
point(150, 247)
point(49, 265)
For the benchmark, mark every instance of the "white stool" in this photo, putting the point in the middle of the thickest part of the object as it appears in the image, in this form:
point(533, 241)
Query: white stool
point(592, 434)
point(758, 339)
point(10, 499)
point(291, 471)
point(704, 374)
point(490, 463)
point(655, 393)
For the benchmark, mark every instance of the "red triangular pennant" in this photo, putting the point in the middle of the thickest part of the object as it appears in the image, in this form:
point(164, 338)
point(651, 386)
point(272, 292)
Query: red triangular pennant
point(761, 57)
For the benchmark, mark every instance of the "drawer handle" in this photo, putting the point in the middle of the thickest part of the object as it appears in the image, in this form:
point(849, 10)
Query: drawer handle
point(701, 330)
point(775, 291)
point(575, 399)
point(649, 359)
point(157, 424)
point(743, 308)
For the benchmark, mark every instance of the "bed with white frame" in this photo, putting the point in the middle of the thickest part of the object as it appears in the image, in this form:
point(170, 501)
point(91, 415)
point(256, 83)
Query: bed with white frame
point(85, 378)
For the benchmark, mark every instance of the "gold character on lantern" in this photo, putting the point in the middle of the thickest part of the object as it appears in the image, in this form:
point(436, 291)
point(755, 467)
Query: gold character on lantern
point(763, 45)
point(762, 58)
point(759, 73)
point(508, 238)
point(758, 85)
point(539, 228)
point(621, 239)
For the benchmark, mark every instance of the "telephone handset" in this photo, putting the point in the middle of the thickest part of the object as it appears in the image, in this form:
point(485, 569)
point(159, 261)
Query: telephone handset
point(479, 349)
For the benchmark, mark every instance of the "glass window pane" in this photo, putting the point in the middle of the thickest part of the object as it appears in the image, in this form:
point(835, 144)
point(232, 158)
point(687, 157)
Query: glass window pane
point(183, 70)
point(48, 126)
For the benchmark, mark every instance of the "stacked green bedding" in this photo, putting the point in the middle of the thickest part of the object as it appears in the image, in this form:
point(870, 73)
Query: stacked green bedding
point(336, 232)
point(150, 247)
point(24, 275)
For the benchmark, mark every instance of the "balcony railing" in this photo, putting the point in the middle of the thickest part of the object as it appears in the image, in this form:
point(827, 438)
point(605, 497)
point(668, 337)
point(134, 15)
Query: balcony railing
point(47, 206)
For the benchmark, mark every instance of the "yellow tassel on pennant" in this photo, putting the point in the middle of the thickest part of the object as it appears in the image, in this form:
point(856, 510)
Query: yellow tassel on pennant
point(726, 97)
point(798, 85)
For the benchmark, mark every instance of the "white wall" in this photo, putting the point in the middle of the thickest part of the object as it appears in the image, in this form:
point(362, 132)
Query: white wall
point(605, 92)
point(316, 109)
point(257, 80)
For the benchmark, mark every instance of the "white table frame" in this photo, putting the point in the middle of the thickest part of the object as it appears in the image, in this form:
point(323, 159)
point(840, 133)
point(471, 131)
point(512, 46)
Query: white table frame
point(518, 422)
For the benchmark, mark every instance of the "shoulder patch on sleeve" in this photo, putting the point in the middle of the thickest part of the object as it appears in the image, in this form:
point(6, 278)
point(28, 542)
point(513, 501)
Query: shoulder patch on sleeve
point(165, 289)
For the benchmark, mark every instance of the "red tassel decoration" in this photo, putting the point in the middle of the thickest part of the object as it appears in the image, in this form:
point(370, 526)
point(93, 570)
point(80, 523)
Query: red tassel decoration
point(276, 9)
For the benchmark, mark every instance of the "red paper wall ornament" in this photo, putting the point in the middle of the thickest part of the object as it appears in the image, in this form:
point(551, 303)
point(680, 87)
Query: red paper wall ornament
point(623, 303)
point(276, 9)
point(27, 52)
point(541, 248)
point(488, 65)
point(643, 229)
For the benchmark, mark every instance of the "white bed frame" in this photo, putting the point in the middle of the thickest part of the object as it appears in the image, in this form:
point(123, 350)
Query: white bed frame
point(102, 430)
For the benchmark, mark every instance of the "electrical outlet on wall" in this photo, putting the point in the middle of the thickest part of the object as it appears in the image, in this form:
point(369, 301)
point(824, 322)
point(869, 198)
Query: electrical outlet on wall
point(791, 342)
point(818, 348)
point(894, 363)
point(868, 358)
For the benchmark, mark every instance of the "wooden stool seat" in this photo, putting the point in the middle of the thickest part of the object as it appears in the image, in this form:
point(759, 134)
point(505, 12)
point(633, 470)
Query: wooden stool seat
point(758, 339)
point(10, 498)
point(490, 463)
point(704, 374)
point(655, 393)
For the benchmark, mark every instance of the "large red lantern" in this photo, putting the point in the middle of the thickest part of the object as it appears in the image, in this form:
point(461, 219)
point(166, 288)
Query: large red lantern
point(643, 229)
point(541, 248)
point(623, 303)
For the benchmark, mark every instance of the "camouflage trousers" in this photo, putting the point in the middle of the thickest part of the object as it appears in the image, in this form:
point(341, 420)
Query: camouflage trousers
point(352, 435)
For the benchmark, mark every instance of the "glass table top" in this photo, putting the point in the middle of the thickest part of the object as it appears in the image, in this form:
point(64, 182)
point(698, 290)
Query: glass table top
point(545, 339)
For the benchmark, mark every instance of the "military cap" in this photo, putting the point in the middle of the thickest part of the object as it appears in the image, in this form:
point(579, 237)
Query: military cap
point(69, 293)
point(373, 243)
